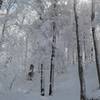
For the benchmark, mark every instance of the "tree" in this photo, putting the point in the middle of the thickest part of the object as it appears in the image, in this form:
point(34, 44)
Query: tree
point(94, 40)
point(53, 48)
point(80, 62)
point(10, 4)
point(42, 81)
point(1, 1)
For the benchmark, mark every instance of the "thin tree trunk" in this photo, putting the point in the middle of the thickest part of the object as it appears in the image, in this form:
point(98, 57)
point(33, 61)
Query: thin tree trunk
point(73, 56)
point(42, 81)
point(84, 48)
point(12, 82)
point(95, 41)
point(52, 66)
point(80, 63)
point(1, 1)
point(41, 18)
point(26, 52)
point(52, 61)
point(3, 29)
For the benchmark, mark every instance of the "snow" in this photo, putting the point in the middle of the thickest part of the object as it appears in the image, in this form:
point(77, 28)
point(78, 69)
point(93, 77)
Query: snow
point(66, 86)
point(91, 79)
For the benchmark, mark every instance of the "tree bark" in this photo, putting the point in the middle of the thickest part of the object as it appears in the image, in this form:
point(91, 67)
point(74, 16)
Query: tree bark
point(95, 41)
point(42, 81)
point(80, 63)
point(1, 1)
point(52, 66)
point(52, 61)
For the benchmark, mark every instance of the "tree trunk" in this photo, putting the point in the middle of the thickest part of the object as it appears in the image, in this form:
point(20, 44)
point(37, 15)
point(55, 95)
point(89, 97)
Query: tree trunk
point(42, 81)
point(26, 52)
point(52, 61)
point(84, 50)
point(95, 41)
point(54, 14)
point(1, 1)
point(80, 63)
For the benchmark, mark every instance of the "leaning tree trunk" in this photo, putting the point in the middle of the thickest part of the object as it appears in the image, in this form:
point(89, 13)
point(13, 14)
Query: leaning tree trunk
point(80, 62)
point(94, 40)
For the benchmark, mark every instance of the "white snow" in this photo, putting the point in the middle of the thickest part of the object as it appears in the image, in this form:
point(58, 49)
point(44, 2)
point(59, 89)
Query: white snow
point(66, 86)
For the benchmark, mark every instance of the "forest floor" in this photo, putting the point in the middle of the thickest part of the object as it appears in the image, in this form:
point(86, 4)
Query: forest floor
point(66, 86)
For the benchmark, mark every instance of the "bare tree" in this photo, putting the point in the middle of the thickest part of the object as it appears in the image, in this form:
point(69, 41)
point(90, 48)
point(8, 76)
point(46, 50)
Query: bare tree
point(94, 39)
point(80, 62)
point(53, 48)
point(52, 63)
point(10, 4)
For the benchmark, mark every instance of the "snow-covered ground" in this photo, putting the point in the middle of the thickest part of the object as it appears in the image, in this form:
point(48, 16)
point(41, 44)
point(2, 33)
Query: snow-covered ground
point(66, 86)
